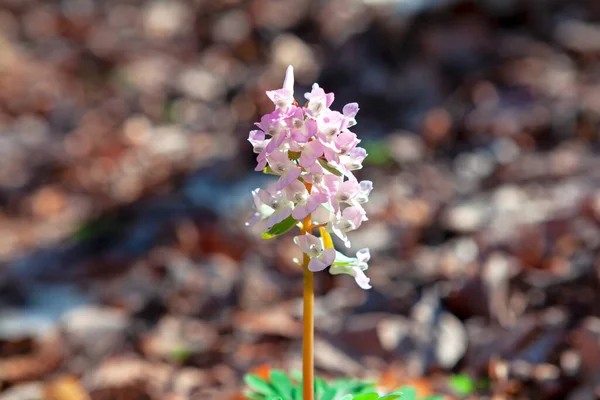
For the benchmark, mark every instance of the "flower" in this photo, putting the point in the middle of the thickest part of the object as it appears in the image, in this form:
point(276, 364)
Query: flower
point(352, 160)
point(312, 151)
point(261, 210)
point(330, 125)
point(305, 203)
point(274, 125)
point(281, 165)
point(350, 110)
point(312, 246)
point(351, 218)
point(341, 191)
point(343, 144)
point(301, 129)
point(284, 97)
point(363, 193)
point(318, 100)
point(277, 201)
point(354, 266)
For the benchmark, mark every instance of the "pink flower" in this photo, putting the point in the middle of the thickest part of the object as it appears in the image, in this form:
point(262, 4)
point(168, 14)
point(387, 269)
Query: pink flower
point(350, 219)
point(363, 194)
point(277, 201)
point(353, 160)
point(261, 210)
point(283, 166)
point(350, 110)
point(354, 266)
point(329, 125)
point(310, 153)
point(320, 258)
point(284, 97)
point(316, 177)
point(305, 203)
point(273, 124)
point(342, 145)
point(318, 100)
point(259, 144)
point(301, 129)
point(257, 139)
point(341, 191)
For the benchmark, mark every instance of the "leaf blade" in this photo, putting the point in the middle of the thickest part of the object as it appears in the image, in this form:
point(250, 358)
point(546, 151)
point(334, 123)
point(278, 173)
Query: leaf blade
point(259, 385)
point(328, 167)
point(281, 383)
point(280, 228)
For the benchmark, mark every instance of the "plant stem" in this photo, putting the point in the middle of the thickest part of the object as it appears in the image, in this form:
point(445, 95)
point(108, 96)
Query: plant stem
point(308, 336)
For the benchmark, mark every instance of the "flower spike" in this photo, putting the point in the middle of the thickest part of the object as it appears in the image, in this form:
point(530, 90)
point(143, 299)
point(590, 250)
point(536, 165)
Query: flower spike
point(313, 154)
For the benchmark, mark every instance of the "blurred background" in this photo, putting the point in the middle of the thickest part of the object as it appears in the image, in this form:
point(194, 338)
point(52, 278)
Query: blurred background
point(126, 271)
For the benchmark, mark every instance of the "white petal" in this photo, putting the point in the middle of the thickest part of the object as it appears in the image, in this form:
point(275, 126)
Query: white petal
point(363, 255)
point(328, 256)
point(302, 242)
point(288, 82)
point(361, 279)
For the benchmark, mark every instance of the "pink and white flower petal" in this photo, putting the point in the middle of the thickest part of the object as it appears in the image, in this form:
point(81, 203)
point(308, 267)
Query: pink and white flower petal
point(361, 279)
point(288, 81)
point(363, 255)
point(322, 215)
point(316, 265)
point(284, 97)
point(302, 242)
point(262, 162)
point(345, 142)
point(350, 110)
point(288, 177)
point(328, 256)
point(365, 190)
point(311, 152)
point(318, 100)
point(301, 130)
point(353, 160)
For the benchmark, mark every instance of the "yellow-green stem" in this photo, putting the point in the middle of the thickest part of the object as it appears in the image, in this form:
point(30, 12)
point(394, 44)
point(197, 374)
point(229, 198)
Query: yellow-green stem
point(308, 336)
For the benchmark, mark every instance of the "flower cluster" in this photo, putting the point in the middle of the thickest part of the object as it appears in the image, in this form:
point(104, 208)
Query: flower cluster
point(313, 153)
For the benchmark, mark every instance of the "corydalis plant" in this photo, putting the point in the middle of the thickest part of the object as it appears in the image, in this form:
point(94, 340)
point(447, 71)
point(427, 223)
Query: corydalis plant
point(313, 152)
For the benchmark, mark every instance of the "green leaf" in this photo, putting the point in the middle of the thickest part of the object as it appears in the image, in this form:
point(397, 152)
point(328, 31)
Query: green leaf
point(392, 396)
point(434, 398)
point(282, 383)
point(462, 384)
point(347, 397)
point(320, 386)
point(259, 385)
point(294, 155)
point(404, 393)
point(297, 376)
point(280, 228)
point(253, 396)
point(367, 396)
point(358, 387)
point(328, 167)
point(298, 393)
point(329, 394)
